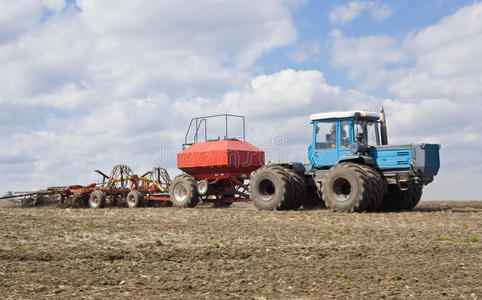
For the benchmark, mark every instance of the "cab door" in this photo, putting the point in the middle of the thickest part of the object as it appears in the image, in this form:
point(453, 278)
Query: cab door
point(346, 138)
point(325, 143)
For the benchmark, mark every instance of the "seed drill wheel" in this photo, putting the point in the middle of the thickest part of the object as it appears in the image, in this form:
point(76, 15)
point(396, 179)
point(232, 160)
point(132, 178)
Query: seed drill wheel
point(346, 188)
point(203, 187)
point(134, 199)
point(183, 191)
point(271, 188)
point(97, 200)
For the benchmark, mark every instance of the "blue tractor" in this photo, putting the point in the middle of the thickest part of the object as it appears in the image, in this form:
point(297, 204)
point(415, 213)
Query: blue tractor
point(352, 169)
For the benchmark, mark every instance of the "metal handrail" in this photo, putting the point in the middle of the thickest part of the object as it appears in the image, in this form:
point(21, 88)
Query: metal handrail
point(199, 121)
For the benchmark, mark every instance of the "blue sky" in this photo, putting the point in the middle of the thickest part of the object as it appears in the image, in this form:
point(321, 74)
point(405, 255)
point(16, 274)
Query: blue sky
point(86, 85)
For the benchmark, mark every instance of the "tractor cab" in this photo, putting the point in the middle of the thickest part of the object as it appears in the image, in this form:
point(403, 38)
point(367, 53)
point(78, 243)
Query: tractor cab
point(337, 135)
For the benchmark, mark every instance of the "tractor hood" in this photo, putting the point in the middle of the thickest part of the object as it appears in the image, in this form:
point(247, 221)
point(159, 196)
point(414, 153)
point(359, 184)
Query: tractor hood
point(422, 159)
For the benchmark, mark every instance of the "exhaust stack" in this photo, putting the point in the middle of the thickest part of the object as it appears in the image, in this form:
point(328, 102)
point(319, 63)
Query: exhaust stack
point(383, 126)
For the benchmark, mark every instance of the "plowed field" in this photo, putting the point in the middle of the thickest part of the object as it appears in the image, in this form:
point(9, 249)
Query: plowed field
point(433, 252)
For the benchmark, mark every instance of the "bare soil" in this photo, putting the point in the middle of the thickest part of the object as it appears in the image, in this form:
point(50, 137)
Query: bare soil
point(433, 252)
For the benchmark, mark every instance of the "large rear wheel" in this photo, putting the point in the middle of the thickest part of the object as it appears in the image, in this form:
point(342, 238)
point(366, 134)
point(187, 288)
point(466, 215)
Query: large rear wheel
point(271, 188)
point(298, 188)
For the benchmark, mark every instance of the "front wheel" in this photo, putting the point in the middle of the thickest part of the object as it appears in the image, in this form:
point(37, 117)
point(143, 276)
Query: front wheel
point(346, 188)
point(401, 200)
point(415, 196)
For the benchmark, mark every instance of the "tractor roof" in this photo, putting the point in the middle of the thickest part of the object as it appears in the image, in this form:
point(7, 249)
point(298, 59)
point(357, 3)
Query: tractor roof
point(345, 114)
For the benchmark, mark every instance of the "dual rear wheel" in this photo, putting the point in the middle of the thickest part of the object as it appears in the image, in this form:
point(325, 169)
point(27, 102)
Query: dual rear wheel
point(350, 187)
point(274, 187)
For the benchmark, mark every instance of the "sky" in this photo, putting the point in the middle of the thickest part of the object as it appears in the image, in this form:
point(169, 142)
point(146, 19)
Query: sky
point(88, 84)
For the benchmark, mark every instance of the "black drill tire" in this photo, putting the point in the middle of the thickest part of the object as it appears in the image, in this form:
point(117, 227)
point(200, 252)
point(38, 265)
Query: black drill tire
point(271, 188)
point(378, 188)
point(183, 191)
point(347, 188)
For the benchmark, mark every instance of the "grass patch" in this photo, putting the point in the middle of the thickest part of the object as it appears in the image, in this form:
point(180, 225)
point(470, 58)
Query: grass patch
point(473, 239)
point(448, 239)
point(399, 282)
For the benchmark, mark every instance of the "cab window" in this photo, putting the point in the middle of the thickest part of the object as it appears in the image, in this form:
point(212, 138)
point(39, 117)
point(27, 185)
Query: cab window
point(345, 134)
point(325, 135)
point(366, 132)
point(372, 133)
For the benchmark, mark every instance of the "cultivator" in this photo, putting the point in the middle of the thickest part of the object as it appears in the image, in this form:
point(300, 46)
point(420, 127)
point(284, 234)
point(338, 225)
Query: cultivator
point(121, 188)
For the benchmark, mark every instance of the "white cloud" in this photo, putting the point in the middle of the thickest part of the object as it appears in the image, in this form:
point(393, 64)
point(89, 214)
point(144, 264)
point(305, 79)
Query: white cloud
point(172, 25)
point(365, 57)
point(447, 56)
point(17, 17)
point(439, 61)
point(346, 13)
point(137, 46)
point(304, 52)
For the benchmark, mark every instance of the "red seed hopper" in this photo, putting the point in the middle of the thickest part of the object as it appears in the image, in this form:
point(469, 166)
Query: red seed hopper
point(214, 160)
